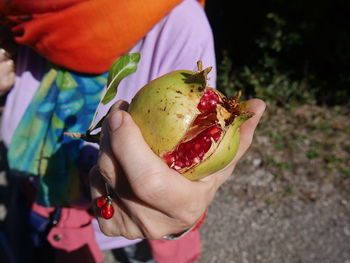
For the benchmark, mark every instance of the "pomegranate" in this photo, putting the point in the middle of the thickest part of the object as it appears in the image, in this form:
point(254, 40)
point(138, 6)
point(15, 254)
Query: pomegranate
point(192, 127)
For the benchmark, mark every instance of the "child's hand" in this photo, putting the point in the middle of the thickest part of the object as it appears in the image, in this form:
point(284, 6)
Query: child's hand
point(150, 199)
point(7, 72)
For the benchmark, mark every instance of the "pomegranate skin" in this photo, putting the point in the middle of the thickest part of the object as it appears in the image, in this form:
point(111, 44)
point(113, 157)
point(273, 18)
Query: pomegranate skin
point(164, 110)
point(166, 107)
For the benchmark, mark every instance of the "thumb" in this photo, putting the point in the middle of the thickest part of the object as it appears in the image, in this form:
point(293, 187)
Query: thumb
point(149, 177)
point(131, 151)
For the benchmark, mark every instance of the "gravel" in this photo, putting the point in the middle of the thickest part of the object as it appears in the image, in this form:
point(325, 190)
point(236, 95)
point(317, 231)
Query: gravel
point(284, 231)
point(288, 200)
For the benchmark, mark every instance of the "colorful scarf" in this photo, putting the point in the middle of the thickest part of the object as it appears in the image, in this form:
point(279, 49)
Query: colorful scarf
point(64, 102)
point(84, 36)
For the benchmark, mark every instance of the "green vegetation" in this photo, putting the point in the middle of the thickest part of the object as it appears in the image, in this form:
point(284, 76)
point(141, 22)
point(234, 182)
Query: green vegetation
point(265, 78)
point(306, 150)
point(294, 55)
point(285, 52)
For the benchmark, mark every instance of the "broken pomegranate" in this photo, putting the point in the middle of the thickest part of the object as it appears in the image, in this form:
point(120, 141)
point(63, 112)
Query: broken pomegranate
point(192, 152)
point(192, 127)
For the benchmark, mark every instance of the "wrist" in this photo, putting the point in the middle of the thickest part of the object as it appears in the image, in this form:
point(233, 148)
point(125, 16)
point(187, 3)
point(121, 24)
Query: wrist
point(193, 228)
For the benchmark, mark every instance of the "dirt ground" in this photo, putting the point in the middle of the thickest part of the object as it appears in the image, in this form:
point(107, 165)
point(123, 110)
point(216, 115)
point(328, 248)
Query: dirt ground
point(289, 198)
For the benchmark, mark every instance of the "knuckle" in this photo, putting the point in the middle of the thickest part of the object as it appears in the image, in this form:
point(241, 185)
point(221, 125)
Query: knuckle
point(188, 221)
point(132, 236)
point(149, 228)
point(106, 168)
point(104, 171)
point(189, 217)
point(151, 232)
point(7, 65)
point(153, 189)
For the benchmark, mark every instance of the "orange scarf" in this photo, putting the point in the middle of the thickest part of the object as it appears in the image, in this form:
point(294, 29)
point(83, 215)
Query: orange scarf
point(83, 35)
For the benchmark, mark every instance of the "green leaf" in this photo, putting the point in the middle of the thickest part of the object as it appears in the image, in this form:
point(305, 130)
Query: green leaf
point(123, 67)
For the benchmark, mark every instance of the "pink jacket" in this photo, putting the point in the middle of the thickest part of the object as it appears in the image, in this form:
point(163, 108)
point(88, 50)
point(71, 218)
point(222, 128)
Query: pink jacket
point(74, 230)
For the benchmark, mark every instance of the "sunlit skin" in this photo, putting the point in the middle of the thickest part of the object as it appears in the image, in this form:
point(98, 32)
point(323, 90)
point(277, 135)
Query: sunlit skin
point(7, 72)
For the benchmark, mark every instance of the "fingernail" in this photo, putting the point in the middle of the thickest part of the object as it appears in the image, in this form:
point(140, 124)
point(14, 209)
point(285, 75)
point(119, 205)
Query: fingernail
point(120, 105)
point(115, 120)
point(4, 53)
point(124, 105)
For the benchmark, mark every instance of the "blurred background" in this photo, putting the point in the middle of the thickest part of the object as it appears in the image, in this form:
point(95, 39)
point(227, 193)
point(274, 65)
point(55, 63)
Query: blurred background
point(289, 198)
point(284, 51)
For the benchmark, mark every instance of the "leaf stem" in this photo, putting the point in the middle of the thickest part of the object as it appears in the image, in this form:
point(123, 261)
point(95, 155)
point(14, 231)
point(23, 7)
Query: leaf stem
point(86, 137)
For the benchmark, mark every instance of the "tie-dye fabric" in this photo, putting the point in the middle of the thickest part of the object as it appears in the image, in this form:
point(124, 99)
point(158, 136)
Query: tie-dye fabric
point(65, 102)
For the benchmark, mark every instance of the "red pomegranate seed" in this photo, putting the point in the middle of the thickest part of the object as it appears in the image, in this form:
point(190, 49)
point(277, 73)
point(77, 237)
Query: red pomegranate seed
point(208, 101)
point(201, 154)
point(180, 164)
point(190, 152)
point(197, 146)
point(193, 151)
point(214, 130)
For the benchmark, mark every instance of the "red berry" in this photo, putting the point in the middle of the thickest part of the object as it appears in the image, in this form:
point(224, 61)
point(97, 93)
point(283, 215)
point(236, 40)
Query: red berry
point(101, 201)
point(107, 211)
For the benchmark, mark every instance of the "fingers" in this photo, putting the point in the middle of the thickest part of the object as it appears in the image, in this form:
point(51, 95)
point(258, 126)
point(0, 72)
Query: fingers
point(122, 136)
point(7, 82)
point(128, 145)
point(132, 218)
point(149, 178)
point(7, 72)
point(4, 55)
point(120, 224)
point(7, 66)
point(122, 140)
point(107, 162)
point(97, 187)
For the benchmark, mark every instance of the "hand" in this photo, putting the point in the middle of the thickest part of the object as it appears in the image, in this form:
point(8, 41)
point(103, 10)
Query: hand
point(150, 199)
point(7, 72)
